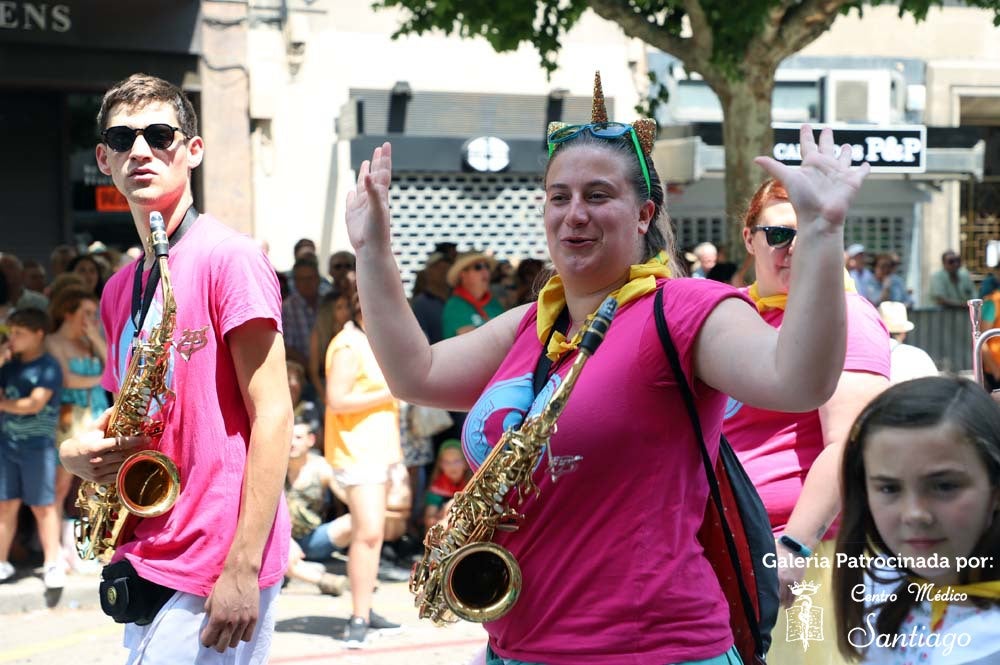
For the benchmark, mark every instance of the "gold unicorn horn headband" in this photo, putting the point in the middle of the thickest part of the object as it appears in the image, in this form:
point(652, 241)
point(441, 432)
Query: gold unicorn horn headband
point(645, 128)
point(598, 109)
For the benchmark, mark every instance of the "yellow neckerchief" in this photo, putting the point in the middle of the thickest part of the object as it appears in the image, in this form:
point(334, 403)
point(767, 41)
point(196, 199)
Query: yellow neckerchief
point(779, 300)
point(552, 299)
point(989, 590)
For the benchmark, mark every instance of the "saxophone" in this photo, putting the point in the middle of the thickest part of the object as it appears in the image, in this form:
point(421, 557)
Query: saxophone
point(463, 575)
point(148, 482)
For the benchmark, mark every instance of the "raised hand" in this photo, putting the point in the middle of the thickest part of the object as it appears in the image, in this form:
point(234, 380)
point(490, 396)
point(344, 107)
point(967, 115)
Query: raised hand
point(368, 205)
point(825, 185)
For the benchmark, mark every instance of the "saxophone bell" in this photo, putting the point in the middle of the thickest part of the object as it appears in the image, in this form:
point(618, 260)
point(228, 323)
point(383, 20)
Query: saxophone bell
point(148, 483)
point(482, 581)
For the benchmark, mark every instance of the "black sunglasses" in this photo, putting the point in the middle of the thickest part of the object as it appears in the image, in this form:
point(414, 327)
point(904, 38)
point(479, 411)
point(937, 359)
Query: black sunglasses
point(159, 136)
point(776, 236)
point(342, 266)
point(479, 265)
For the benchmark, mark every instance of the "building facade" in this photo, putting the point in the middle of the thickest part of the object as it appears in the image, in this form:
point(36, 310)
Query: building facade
point(57, 60)
point(942, 74)
point(294, 94)
point(467, 127)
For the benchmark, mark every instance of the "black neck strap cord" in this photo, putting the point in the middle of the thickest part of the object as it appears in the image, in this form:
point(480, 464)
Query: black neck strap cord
point(141, 300)
point(544, 362)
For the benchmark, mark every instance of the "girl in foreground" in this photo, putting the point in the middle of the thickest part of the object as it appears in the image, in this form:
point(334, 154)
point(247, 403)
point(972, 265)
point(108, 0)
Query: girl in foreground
point(921, 483)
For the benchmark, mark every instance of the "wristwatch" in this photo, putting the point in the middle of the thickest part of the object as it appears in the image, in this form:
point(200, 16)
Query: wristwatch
point(795, 546)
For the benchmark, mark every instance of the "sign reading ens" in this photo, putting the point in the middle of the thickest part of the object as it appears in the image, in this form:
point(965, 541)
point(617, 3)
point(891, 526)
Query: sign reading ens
point(899, 149)
point(34, 16)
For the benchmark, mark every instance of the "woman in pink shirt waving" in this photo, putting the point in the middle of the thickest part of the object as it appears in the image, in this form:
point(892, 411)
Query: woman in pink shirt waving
point(612, 571)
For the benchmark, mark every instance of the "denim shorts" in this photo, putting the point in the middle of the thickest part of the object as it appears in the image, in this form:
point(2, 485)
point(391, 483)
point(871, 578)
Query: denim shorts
point(316, 546)
point(731, 657)
point(28, 474)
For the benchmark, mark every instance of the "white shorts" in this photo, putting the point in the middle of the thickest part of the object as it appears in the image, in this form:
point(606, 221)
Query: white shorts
point(174, 636)
point(361, 474)
point(395, 477)
point(371, 474)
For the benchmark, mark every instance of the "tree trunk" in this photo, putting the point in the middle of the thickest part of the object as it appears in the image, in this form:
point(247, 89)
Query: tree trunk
point(746, 132)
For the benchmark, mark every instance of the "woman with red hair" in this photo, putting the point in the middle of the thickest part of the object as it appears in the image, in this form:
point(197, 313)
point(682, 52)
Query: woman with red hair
point(793, 458)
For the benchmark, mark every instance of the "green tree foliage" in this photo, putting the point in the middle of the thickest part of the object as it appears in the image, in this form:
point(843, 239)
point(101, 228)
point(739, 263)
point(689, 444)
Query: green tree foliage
point(729, 27)
point(735, 45)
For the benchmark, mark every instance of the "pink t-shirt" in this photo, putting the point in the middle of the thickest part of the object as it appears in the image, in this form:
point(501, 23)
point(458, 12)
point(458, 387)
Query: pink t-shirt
point(613, 572)
point(777, 448)
point(221, 280)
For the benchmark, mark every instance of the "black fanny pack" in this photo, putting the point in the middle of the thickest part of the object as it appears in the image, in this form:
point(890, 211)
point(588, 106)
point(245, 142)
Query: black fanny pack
point(128, 598)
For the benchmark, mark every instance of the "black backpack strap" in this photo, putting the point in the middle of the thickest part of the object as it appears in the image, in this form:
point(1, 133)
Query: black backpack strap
point(713, 482)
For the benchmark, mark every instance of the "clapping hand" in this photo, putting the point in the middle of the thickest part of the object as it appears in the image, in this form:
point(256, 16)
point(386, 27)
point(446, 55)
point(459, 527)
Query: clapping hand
point(368, 204)
point(825, 185)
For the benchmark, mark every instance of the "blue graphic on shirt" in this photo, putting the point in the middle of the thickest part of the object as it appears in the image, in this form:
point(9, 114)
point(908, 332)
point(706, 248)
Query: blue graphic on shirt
point(153, 319)
point(732, 408)
point(504, 405)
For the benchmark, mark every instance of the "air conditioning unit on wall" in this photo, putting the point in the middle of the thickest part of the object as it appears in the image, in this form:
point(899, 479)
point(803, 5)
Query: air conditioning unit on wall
point(868, 96)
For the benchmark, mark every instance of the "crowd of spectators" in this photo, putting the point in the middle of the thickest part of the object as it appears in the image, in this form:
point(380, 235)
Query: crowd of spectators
point(453, 293)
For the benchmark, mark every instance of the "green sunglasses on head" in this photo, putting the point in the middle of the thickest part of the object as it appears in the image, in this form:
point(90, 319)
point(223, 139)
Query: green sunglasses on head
point(602, 130)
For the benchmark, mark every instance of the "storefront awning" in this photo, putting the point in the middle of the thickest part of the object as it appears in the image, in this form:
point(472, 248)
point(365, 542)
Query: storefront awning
point(950, 154)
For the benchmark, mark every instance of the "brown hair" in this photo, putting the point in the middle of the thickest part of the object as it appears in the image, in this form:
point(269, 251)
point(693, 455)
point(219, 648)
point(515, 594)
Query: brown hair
point(67, 301)
point(29, 318)
point(769, 190)
point(296, 368)
point(64, 281)
point(139, 90)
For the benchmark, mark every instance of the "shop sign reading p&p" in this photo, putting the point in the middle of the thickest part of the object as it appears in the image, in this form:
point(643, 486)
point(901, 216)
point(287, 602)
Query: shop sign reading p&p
point(896, 149)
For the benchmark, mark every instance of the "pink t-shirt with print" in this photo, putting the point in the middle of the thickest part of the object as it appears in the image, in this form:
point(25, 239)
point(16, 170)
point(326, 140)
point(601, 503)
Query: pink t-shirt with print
point(777, 449)
point(613, 573)
point(221, 280)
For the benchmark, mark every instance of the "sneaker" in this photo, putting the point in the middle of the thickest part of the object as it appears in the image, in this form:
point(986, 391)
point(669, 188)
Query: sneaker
point(87, 567)
point(381, 624)
point(388, 572)
point(355, 633)
point(6, 571)
point(55, 576)
point(331, 585)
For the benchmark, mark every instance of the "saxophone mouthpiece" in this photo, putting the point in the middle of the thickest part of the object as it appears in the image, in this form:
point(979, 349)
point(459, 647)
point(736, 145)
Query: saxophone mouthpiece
point(599, 326)
point(158, 234)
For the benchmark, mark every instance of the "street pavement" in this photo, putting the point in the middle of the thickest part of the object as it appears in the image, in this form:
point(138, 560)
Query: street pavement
point(41, 628)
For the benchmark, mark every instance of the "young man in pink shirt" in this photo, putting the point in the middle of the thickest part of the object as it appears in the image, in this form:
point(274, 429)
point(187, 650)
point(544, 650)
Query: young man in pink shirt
point(217, 557)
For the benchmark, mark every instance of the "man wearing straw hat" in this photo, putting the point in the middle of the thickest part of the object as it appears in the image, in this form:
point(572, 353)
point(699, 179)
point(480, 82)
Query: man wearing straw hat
point(470, 304)
point(907, 362)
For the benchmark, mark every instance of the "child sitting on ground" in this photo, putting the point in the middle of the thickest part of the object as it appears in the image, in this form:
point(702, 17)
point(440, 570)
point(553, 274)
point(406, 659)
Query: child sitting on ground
point(307, 488)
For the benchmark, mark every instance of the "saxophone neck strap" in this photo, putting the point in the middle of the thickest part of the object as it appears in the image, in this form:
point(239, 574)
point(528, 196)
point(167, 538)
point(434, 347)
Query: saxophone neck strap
point(544, 362)
point(141, 299)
